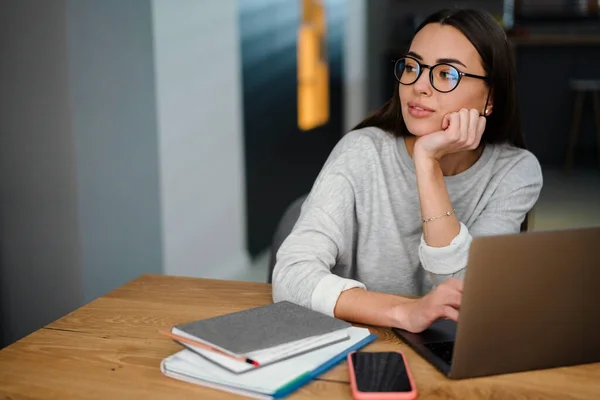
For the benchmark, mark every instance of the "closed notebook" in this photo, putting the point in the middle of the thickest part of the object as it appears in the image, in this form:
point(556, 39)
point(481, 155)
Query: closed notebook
point(272, 381)
point(273, 354)
point(262, 328)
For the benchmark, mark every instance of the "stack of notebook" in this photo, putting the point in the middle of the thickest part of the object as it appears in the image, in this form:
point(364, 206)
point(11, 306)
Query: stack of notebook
point(263, 352)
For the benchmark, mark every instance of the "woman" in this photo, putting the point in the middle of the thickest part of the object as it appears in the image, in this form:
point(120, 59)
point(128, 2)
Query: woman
point(395, 208)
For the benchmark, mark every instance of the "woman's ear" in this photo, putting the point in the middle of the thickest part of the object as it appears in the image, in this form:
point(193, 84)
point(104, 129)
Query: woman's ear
point(489, 104)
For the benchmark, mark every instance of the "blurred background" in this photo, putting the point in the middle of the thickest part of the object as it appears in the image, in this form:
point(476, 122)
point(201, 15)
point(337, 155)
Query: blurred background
point(164, 137)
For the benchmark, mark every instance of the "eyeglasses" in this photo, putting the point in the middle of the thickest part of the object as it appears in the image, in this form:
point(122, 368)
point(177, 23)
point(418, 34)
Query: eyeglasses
point(443, 77)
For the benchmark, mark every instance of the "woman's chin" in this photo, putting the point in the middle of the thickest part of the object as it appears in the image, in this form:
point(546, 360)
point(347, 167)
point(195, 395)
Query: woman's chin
point(421, 129)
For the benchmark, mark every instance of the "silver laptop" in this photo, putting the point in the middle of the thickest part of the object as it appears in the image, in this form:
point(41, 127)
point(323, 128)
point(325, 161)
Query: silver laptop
point(530, 301)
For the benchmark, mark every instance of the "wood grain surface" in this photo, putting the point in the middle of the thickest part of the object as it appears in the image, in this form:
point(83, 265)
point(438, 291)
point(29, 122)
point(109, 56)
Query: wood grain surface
point(111, 349)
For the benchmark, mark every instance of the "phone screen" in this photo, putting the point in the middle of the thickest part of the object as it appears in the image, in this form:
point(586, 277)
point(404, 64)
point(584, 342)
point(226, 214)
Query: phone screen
point(380, 372)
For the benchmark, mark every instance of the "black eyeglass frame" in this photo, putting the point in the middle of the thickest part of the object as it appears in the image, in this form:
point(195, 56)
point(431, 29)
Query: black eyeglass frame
point(422, 67)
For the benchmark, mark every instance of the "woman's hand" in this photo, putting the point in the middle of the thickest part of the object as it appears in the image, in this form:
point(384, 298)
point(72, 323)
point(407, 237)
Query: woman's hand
point(461, 131)
point(441, 303)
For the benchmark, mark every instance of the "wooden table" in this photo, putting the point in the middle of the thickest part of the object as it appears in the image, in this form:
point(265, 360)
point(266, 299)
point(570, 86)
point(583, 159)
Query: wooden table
point(110, 349)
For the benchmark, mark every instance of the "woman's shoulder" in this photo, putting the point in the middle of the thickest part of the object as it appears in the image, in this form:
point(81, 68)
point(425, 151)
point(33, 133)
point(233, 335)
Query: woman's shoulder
point(517, 164)
point(357, 152)
point(369, 138)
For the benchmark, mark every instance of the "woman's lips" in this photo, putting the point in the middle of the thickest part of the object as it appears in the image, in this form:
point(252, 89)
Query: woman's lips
point(419, 112)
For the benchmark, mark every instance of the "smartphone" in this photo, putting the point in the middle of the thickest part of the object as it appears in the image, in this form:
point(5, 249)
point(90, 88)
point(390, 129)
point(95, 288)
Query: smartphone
point(380, 376)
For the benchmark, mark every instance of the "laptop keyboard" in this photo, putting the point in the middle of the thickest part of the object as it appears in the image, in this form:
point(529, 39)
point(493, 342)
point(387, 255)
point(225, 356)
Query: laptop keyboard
point(442, 349)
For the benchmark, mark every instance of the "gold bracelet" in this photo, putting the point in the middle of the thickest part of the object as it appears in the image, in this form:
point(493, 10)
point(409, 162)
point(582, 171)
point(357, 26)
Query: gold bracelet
point(449, 213)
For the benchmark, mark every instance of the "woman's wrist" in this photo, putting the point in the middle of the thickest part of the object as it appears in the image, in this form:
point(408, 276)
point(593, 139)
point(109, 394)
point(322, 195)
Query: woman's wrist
point(398, 313)
point(421, 153)
point(427, 169)
point(421, 158)
point(372, 308)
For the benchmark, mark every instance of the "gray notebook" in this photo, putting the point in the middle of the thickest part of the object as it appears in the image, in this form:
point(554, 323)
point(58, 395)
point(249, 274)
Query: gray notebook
point(262, 327)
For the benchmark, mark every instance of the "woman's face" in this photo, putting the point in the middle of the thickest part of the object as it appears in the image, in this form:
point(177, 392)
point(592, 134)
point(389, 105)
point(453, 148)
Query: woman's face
point(423, 107)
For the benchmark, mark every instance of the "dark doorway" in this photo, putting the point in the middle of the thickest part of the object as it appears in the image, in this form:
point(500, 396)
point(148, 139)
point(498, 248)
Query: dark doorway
point(281, 161)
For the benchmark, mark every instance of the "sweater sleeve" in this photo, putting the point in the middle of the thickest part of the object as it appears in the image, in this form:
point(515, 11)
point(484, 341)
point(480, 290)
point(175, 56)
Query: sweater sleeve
point(512, 200)
point(324, 230)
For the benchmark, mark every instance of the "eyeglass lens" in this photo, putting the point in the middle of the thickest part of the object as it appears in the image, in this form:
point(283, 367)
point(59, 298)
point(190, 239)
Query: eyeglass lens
point(445, 77)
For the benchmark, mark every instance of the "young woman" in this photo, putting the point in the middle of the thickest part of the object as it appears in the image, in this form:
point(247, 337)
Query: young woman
point(396, 205)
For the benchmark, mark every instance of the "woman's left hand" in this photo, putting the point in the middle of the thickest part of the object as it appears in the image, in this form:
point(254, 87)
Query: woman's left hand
point(460, 131)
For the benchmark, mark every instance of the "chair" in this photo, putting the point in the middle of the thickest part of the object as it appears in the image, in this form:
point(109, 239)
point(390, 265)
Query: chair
point(581, 87)
point(284, 228)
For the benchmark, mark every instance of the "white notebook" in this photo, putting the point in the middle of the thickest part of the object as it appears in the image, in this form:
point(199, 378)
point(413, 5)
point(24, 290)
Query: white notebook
point(271, 381)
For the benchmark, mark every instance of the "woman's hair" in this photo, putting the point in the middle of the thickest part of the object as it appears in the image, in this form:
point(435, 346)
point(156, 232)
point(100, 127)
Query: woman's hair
point(490, 41)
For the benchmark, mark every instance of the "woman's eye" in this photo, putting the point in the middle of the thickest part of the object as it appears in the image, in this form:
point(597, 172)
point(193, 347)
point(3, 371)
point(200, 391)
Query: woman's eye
point(447, 75)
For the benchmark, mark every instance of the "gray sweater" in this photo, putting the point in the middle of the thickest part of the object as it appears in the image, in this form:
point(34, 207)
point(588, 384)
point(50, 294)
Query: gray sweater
point(361, 223)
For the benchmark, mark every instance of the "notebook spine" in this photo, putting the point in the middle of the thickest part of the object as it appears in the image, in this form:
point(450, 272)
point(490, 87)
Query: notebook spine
point(310, 375)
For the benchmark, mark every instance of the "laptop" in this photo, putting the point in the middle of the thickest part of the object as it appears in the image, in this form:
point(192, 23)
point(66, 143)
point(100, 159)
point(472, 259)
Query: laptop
point(530, 301)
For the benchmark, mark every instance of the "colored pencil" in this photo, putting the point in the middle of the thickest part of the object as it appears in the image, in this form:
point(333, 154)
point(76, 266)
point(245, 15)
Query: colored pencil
point(204, 346)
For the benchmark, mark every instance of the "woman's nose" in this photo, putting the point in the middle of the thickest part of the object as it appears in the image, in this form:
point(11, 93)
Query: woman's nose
point(422, 85)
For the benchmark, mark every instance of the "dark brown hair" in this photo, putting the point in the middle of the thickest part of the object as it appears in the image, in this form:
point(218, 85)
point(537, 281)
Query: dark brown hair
point(490, 41)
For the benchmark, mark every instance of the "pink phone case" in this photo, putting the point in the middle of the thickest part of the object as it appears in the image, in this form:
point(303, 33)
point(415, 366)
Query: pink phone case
point(358, 395)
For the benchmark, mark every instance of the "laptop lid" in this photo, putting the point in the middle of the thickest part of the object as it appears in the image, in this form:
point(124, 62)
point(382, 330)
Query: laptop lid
point(530, 301)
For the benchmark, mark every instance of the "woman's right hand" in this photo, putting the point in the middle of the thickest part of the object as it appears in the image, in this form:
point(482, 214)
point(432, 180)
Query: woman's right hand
point(443, 302)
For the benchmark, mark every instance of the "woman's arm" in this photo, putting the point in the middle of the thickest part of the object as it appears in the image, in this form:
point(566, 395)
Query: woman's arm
point(303, 275)
point(413, 315)
point(461, 131)
point(502, 215)
point(444, 248)
point(435, 203)
point(323, 233)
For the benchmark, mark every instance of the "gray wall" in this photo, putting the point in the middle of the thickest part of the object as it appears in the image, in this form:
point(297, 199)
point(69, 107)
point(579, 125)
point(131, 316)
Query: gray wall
point(199, 114)
point(112, 89)
point(39, 232)
point(79, 187)
point(355, 63)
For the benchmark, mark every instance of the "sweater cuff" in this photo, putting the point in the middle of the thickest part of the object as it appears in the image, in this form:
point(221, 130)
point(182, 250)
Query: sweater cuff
point(449, 259)
point(325, 295)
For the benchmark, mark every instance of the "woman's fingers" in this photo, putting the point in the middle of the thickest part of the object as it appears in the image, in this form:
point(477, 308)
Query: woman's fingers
point(448, 294)
point(474, 136)
point(454, 299)
point(454, 283)
point(481, 122)
point(465, 121)
point(446, 121)
point(465, 128)
point(454, 122)
point(443, 302)
point(462, 130)
point(450, 297)
point(450, 313)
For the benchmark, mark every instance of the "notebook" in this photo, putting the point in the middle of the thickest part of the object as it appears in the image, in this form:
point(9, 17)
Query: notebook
point(274, 354)
point(271, 381)
point(265, 334)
